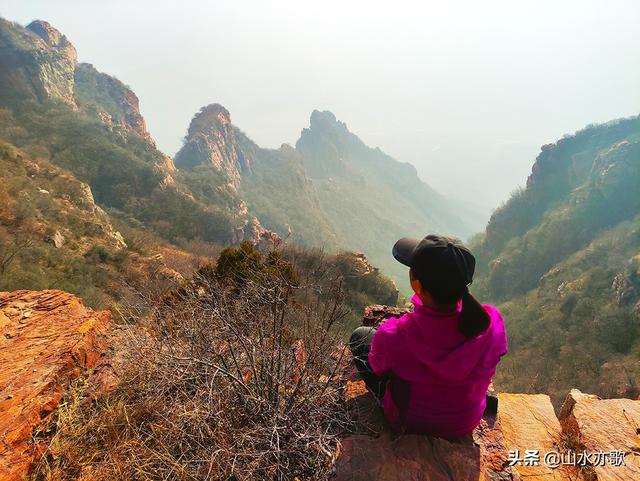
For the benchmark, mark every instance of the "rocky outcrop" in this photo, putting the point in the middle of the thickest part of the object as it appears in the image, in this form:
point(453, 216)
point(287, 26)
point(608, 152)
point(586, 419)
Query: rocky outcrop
point(36, 62)
point(56, 63)
point(605, 425)
point(213, 140)
point(377, 313)
point(56, 194)
point(109, 99)
point(524, 441)
point(595, 439)
point(323, 145)
point(46, 339)
point(118, 108)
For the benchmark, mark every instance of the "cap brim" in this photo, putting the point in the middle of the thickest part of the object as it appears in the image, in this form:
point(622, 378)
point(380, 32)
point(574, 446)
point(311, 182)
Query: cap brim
point(403, 250)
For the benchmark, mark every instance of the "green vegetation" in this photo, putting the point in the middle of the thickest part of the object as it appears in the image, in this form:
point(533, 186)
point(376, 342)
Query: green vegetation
point(370, 198)
point(283, 198)
point(245, 356)
point(580, 327)
point(122, 171)
point(38, 200)
point(560, 259)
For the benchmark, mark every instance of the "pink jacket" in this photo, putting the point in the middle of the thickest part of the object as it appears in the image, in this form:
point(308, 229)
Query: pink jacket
point(447, 374)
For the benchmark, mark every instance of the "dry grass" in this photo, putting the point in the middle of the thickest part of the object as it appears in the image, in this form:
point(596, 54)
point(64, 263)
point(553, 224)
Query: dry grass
point(232, 378)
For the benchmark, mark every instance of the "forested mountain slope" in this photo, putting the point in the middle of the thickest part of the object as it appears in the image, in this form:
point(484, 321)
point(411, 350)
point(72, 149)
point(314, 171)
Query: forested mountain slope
point(89, 123)
point(371, 198)
point(563, 255)
point(331, 191)
point(218, 156)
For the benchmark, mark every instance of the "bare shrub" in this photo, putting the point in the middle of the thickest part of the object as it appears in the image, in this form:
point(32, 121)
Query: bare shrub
point(232, 377)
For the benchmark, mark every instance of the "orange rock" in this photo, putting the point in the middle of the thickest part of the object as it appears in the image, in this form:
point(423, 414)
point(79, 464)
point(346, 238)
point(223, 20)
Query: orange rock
point(604, 425)
point(353, 389)
point(528, 422)
point(37, 360)
point(406, 458)
point(524, 422)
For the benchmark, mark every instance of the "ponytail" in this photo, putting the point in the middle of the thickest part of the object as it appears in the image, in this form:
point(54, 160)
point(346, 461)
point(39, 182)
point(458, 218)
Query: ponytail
point(474, 318)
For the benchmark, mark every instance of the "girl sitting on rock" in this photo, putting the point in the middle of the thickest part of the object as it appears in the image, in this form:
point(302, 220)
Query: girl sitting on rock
point(431, 368)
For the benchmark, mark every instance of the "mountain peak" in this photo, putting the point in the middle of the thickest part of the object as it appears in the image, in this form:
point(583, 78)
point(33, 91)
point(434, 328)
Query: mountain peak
point(47, 32)
point(212, 139)
point(210, 116)
point(325, 120)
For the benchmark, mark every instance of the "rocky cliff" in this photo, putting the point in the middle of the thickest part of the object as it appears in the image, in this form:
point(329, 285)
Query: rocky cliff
point(271, 183)
point(109, 99)
point(41, 68)
point(319, 193)
point(47, 338)
point(214, 141)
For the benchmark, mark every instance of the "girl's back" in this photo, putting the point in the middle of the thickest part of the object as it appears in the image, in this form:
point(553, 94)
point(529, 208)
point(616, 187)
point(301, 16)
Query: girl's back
point(439, 377)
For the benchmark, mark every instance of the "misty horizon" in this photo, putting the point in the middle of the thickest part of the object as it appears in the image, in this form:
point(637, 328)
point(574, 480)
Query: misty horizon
point(467, 98)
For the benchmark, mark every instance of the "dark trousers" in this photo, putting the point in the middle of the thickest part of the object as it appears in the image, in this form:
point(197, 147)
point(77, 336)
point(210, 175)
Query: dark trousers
point(360, 344)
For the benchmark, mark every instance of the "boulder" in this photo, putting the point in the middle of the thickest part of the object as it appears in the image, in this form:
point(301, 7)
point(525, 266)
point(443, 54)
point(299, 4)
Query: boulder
point(528, 422)
point(604, 425)
point(377, 313)
point(406, 458)
point(58, 239)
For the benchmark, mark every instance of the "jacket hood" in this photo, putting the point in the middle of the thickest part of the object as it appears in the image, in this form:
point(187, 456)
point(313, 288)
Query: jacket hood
point(433, 339)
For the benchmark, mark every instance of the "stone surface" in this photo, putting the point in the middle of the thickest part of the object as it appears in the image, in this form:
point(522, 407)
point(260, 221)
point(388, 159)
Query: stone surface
point(528, 422)
point(58, 240)
point(36, 62)
point(46, 339)
point(595, 424)
point(374, 315)
point(213, 140)
point(524, 422)
point(406, 458)
point(55, 63)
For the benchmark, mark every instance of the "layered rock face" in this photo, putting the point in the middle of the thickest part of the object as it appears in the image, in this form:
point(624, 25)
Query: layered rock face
point(43, 65)
point(213, 140)
point(46, 339)
point(114, 102)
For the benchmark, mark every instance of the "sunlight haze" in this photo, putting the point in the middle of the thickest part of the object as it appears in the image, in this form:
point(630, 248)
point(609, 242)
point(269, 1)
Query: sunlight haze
point(465, 91)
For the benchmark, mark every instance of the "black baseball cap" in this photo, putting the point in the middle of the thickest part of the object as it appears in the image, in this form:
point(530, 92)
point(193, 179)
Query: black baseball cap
point(437, 258)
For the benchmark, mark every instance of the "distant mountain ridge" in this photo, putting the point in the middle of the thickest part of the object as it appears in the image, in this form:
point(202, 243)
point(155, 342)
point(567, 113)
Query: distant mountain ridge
point(330, 191)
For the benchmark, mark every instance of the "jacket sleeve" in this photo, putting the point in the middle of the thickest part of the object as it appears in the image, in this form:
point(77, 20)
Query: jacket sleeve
point(380, 358)
point(500, 332)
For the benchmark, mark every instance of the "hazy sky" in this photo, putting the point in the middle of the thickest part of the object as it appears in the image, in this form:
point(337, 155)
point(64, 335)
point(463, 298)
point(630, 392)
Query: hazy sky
point(467, 91)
